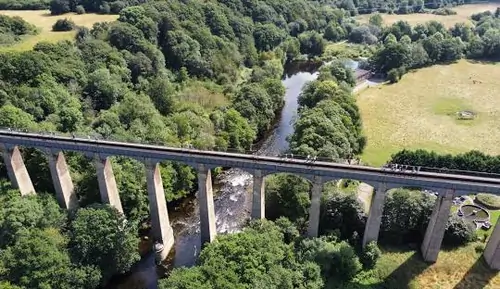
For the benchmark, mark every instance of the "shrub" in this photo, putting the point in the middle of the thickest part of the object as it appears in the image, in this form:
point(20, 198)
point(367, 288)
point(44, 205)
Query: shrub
point(406, 215)
point(80, 10)
point(458, 232)
point(479, 248)
point(444, 12)
point(336, 260)
point(370, 255)
point(343, 212)
point(393, 75)
point(63, 25)
point(489, 201)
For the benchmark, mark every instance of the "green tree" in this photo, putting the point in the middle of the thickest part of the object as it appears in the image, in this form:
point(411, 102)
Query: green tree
point(287, 196)
point(406, 214)
point(376, 20)
point(101, 237)
point(21, 213)
point(268, 36)
point(312, 43)
point(38, 259)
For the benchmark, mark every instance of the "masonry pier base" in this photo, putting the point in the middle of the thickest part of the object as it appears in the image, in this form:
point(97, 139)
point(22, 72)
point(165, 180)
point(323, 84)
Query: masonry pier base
point(16, 170)
point(208, 230)
point(437, 225)
point(372, 228)
point(107, 183)
point(160, 223)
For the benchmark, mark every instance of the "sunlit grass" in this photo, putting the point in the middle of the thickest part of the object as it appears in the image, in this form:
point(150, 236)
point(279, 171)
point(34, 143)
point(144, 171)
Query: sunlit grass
point(403, 268)
point(463, 14)
point(44, 21)
point(419, 111)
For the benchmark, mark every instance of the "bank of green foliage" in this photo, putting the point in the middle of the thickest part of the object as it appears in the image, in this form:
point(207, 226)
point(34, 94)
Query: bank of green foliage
point(38, 251)
point(329, 124)
point(266, 255)
point(13, 28)
point(167, 72)
point(404, 221)
point(406, 47)
point(397, 6)
point(475, 161)
point(24, 4)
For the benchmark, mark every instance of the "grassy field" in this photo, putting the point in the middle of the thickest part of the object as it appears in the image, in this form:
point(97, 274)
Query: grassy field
point(44, 21)
point(419, 111)
point(462, 268)
point(463, 14)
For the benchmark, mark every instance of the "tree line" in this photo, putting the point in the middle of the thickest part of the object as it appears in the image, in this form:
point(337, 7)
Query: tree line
point(473, 161)
point(403, 47)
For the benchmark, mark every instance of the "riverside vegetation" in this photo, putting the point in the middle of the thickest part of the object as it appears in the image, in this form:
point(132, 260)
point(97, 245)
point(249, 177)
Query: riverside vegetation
point(206, 74)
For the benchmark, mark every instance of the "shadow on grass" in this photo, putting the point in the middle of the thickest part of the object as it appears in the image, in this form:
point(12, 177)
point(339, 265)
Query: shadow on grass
point(403, 275)
point(400, 278)
point(477, 277)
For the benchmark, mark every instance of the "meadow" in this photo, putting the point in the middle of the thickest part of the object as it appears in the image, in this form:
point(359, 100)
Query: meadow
point(44, 21)
point(463, 14)
point(420, 111)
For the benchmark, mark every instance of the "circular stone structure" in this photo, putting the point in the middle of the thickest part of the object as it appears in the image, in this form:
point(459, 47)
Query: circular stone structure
point(466, 114)
point(474, 213)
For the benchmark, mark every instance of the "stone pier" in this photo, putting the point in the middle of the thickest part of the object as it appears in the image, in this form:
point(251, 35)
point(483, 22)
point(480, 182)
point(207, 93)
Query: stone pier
point(492, 250)
point(314, 209)
point(107, 182)
point(437, 225)
point(160, 223)
point(372, 228)
point(206, 201)
point(16, 170)
point(61, 178)
point(259, 197)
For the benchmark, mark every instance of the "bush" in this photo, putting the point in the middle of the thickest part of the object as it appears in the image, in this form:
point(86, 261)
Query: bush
point(80, 10)
point(479, 248)
point(63, 25)
point(370, 255)
point(393, 75)
point(343, 212)
point(489, 201)
point(458, 232)
point(444, 12)
point(337, 260)
point(406, 215)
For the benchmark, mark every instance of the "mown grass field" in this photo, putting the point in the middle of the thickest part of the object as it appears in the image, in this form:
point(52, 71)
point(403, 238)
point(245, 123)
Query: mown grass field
point(463, 14)
point(419, 111)
point(461, 268)
point(44, 21)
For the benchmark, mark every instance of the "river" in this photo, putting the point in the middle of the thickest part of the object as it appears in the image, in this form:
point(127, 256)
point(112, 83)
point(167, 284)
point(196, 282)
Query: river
point(233, 188)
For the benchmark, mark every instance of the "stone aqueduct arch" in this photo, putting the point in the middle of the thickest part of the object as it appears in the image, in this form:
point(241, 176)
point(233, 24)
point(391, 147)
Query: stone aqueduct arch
point(162, 230)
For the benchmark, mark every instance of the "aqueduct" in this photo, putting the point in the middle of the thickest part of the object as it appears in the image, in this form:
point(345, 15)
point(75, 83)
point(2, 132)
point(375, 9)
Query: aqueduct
point(446, 185)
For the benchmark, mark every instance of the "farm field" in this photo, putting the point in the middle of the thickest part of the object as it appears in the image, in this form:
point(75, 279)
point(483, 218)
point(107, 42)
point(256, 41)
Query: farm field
point(44, 21)
point(463, 14)
point(420, 111)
